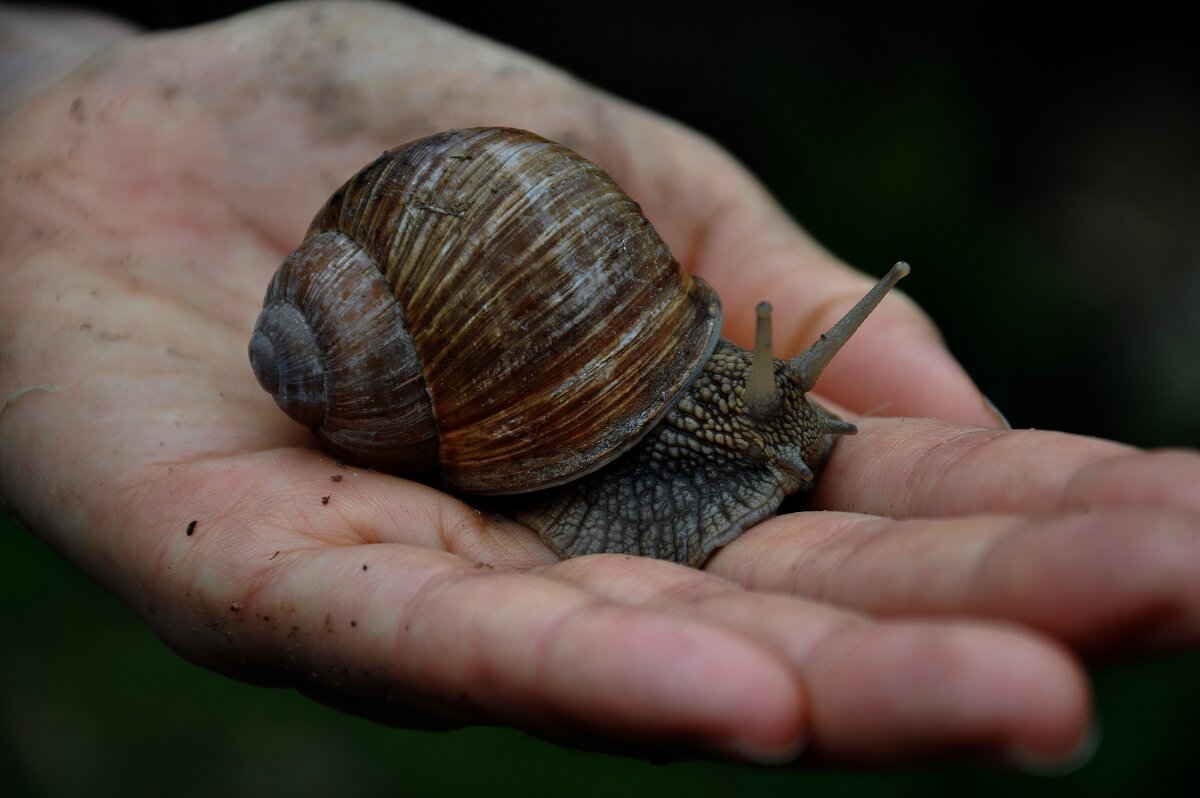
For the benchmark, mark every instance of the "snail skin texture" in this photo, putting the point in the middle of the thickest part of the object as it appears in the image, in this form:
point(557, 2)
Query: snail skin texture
point(487, 311)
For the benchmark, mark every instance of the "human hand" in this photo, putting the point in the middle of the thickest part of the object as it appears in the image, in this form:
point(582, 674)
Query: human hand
point(153, 192)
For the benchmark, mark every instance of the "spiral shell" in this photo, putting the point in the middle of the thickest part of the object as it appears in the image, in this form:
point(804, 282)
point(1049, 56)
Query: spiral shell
point(483, 304)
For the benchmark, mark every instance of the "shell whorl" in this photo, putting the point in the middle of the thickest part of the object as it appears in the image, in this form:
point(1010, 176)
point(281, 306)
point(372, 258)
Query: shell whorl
point(287, 362)
point(551, 324)
point(309, 350)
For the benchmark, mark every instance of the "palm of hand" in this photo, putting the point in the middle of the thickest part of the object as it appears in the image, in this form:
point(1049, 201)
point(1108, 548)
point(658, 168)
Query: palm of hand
point(181, 168)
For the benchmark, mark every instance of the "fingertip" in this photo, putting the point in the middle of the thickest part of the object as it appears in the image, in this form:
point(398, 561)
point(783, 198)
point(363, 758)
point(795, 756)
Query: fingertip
point(1050, 713)
point(773, 712)
point(900, 690)
point(670, 679)
point(779, 752)
point(1058, 763)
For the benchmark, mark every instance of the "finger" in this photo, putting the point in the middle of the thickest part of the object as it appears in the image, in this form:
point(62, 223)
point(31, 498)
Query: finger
point(1101, 581)
point(879, 691)
point(924, 467)
point(425, 633)
point(282, 584)
point(722, 224)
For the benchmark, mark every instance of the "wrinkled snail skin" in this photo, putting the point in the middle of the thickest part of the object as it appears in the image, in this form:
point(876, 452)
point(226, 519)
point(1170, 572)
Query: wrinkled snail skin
point(486, 310)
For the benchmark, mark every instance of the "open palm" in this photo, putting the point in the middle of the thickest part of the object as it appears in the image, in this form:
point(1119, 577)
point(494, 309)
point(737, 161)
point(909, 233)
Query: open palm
point(149, 195)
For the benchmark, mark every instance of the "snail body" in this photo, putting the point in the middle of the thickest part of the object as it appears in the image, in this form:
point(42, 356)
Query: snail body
point(487, 310)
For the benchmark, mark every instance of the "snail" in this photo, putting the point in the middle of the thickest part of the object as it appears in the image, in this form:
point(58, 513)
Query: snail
point(486, 310)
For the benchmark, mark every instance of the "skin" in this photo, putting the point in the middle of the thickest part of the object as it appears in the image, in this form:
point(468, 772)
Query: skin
point(943, 604)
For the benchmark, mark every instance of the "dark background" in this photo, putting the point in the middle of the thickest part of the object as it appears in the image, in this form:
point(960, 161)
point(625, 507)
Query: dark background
point(1042, 175)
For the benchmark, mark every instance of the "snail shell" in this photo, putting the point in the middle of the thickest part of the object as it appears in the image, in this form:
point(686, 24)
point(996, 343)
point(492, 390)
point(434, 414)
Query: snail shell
point(488, 310)
point(473, 304)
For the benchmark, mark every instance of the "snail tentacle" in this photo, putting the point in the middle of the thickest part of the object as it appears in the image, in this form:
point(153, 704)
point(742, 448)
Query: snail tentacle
point(762, 397)
point(807, 366)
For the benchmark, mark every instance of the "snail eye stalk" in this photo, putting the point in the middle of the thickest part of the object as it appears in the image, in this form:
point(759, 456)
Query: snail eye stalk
point(807, 367)
point(762, 396)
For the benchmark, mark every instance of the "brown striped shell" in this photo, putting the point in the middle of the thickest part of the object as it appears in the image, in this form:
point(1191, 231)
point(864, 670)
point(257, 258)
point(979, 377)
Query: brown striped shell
point(487, 305)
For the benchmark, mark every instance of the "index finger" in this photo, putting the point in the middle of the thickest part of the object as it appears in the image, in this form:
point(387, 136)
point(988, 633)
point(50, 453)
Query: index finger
point(721, 223)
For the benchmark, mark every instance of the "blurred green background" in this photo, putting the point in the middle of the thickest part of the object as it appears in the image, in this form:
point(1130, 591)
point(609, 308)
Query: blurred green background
point(1041, 173)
